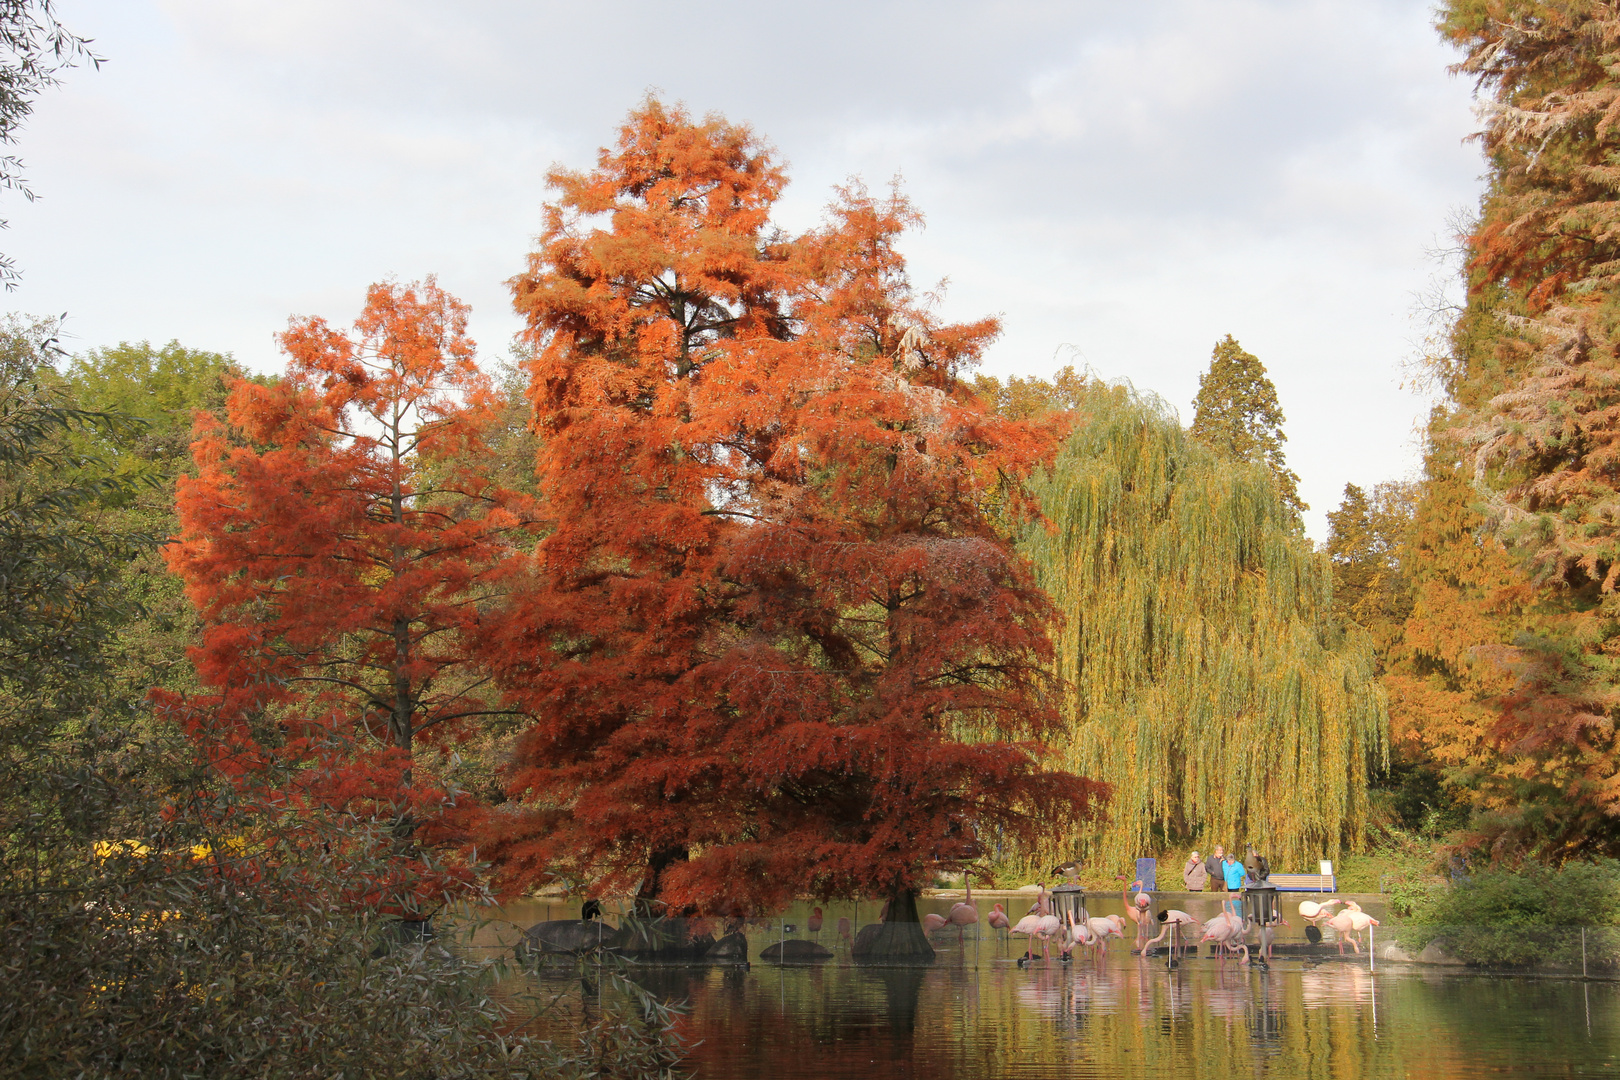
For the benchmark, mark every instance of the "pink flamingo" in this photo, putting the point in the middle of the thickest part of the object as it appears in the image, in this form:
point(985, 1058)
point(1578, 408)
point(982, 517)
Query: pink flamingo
point(1312, 912)
point(998, 920)
point(1103, 927)
point(1031, 927)
point(814, 924)
point(964, 914)
point(1174, 917)
point(1349, 924)
point(932, 922)
point(1226, 931)
point(844, 928)
point(1075, 935)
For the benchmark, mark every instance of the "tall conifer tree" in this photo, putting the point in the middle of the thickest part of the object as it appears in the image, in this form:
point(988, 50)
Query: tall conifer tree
point(1236, 412)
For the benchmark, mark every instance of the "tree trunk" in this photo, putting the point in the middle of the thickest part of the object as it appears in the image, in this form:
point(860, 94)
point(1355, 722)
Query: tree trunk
point(899, 938)
point(648, 905)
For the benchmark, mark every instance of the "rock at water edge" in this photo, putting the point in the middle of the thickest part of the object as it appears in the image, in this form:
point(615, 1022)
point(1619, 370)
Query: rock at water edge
point(797, 950)
point(570, 936)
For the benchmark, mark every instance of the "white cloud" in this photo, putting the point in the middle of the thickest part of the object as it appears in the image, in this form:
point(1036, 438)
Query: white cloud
point(1134, 181)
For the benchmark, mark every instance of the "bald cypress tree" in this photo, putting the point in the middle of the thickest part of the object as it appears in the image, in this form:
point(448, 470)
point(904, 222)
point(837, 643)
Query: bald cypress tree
point(1237, 414)
point(1207, 680)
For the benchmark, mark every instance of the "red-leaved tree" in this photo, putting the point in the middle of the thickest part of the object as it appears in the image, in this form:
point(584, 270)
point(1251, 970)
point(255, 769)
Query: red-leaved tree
point(338, 543)
point(779, 647)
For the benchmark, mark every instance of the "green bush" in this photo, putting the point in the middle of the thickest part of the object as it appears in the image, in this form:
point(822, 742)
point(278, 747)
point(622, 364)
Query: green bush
point(1531, 915)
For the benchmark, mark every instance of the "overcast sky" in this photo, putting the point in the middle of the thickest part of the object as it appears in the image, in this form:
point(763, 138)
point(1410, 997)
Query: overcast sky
point(1122, 183)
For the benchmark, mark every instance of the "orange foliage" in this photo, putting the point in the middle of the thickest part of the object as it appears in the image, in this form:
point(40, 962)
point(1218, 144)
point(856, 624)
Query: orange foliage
point(337, 548)
point(1488, 679)
point(779, 647)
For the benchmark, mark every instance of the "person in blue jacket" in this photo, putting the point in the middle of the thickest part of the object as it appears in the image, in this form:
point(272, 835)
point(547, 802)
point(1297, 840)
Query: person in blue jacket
point(1232, 871)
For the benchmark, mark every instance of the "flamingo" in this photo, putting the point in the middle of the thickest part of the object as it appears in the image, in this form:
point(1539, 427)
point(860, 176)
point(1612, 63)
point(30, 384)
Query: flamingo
point(1075, 935)
point(1103, 927)
point(1031, 926)
point(844, 928)
point(964, 914)
point(1168, 919)
point(1226, 931)
point(932, 922)
point(998, 920)
point(1137, 911)
point(1350, 923)
point(1311, 911)
point(814, 923)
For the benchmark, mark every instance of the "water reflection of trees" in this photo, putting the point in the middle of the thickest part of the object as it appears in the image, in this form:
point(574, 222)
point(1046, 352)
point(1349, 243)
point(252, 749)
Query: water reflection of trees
point(1137, 1019)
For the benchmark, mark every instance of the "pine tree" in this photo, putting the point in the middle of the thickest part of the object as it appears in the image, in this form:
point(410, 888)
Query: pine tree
point(1236, 412)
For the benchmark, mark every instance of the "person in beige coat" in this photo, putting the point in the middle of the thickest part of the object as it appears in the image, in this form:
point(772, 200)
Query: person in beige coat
point(1194, 874)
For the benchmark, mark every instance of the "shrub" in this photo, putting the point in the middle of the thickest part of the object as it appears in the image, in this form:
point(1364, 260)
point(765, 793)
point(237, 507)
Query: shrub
point(1525, 916)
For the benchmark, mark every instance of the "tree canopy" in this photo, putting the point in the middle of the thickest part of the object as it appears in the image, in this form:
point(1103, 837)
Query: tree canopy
point(1237, 414)
point(1205, 677)
point(778, 646)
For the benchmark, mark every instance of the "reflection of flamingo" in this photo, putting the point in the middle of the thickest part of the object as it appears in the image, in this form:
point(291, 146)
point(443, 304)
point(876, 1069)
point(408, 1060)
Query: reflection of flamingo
point(964, 914)
point(998, 920)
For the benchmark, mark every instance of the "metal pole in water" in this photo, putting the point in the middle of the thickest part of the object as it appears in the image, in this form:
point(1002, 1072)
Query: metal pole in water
point(1372, 949)
point(1583, 952)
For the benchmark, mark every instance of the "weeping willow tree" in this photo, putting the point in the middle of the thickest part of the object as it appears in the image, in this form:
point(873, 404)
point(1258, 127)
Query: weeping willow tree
point(1204, 676)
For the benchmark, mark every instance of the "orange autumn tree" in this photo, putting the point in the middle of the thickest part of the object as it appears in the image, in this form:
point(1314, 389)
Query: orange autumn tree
point(337, 547)
point(779, 647)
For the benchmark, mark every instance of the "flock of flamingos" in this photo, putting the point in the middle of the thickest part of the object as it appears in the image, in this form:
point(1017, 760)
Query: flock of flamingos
point(1228, 930)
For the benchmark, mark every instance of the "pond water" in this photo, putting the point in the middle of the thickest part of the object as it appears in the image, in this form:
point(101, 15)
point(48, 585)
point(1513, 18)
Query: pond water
point(976, 1014)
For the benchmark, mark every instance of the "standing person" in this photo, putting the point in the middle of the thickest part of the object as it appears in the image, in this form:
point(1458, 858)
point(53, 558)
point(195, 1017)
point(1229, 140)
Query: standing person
point(1212, 866)
point(1194, 875)
point(1232, 874)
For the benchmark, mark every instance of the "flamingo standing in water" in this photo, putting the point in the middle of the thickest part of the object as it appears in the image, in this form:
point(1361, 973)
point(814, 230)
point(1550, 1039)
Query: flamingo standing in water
point(1032, 927)
point(814, 923)
point(1103, 927)
point(1075, 935)
point(1349, 924)
point(1226, 931)
point(932, 922)
point(998, 920)
point(964, 914)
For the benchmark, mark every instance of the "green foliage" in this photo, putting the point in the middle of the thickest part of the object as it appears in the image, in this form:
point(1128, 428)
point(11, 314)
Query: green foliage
point(1206, 678)
point(156, 926)
point(1237, 414)
point(162, 387)
point(1529, 915)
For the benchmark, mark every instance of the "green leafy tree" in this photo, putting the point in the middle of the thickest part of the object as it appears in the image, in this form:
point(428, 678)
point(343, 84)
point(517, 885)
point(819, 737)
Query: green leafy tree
point(1236, 413)
point(1364, 540)
point(1206, 678)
